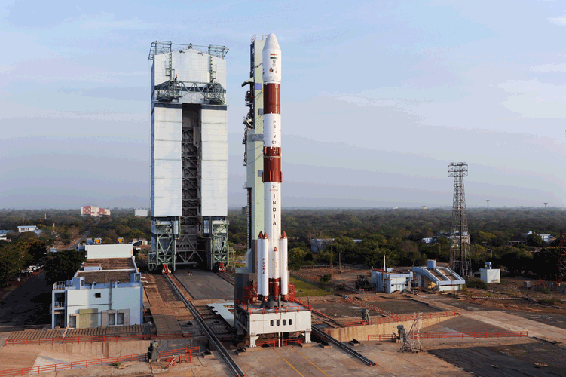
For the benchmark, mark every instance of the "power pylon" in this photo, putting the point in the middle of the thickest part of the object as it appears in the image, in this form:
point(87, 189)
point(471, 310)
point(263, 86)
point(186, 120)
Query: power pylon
point(459, 260)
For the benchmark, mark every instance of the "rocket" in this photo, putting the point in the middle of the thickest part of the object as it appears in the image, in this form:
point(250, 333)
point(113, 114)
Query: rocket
point(273, 273)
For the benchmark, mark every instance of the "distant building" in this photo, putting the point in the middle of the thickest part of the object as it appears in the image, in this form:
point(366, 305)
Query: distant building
point(4, 235)
point(106, 291)
point(545, 237)
point(27, 228)
point(319, 244)
point(141, 212)
point(94, 211)
point(428, 240)
point(424, 207)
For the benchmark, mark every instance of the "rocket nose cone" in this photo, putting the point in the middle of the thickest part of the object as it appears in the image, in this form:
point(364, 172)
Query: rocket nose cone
point(271, 42)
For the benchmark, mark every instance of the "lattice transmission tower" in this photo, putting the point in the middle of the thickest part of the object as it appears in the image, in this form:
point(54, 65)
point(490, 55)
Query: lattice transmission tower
point(459, 259)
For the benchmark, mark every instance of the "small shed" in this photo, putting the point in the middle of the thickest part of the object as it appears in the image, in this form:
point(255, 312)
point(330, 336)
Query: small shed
point(490, 275)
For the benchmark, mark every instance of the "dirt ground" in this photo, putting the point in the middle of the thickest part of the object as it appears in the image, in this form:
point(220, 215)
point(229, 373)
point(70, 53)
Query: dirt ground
point(401, 305)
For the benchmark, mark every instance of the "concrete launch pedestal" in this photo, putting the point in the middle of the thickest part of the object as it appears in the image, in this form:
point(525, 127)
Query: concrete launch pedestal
point(254, 320)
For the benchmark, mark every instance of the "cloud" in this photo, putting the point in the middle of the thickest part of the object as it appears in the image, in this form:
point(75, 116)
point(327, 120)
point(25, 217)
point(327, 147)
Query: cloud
point(557, 20)
point(107, 21)
point(535, 99)
point(550, 68)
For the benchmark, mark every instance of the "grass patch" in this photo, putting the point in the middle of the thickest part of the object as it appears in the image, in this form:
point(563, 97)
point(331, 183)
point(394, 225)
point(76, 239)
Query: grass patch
point(303, 289)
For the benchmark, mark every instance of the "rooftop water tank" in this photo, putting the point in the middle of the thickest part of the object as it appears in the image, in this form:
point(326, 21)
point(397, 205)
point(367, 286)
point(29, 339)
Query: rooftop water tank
point(431, 263)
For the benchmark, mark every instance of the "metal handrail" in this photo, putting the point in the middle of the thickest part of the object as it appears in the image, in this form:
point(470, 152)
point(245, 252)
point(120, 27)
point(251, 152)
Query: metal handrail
point(444, 335)
point(93, 339)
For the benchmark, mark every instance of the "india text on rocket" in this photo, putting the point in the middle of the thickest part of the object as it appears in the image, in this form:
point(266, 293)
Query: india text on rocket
point(273, 274)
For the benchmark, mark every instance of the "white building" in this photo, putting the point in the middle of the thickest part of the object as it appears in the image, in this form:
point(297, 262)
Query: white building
point(27, 228)
point(106, 291)
point(390, 281)
point(4, 235)
point(141, 212)
point(490, 275)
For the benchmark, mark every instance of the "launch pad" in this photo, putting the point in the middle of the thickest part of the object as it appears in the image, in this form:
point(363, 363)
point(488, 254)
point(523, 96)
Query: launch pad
point(288, 318)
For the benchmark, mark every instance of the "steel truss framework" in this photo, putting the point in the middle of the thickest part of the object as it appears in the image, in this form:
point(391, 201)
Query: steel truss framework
point(218, 242)
point(172, 89)
point(459, 252)
point(163, 243)
point(190, 155)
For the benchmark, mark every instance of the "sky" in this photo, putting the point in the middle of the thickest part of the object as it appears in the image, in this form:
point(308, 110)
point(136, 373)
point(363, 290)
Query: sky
point(378, 97)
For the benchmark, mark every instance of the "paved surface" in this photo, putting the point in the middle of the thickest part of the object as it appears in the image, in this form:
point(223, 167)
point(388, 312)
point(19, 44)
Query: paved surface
point(27, 305)
point(508, 360)
point(205, 285)
point(316, 361)
point(501, 319)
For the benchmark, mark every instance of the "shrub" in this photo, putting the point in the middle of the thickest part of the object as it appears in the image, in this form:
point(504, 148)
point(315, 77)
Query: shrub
point(476, 283)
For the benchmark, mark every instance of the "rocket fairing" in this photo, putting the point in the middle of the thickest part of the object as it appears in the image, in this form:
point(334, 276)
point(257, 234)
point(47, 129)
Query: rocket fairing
point(273, 272)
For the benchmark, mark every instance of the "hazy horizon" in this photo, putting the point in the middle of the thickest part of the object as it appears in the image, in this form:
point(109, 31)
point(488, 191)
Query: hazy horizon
point(377, 99)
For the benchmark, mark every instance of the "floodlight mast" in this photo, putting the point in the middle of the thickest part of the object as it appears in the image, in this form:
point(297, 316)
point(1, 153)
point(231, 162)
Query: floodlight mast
point(459, 262)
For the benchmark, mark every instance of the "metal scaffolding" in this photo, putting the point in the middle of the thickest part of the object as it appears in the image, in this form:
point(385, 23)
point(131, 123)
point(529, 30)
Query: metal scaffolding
point(163, 243)
point(459, 258)
point(212, 92)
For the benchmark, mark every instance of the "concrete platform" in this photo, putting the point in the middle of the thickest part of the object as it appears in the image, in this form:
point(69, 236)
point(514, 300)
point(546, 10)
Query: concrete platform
point(205, 285)
point(316, 361)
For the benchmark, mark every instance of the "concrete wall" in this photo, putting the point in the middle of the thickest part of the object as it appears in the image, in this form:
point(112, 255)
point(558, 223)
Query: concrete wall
point(109, 251)
point(98, 350)
point(360, 333)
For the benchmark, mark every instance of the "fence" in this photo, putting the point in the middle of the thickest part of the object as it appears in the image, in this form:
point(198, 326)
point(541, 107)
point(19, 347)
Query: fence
point(97, 362)
point(93, 339)
point(461, 335)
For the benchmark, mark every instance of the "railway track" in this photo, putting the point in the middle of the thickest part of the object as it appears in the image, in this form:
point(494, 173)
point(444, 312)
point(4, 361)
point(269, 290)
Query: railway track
point(234, 368)
point(330, 340)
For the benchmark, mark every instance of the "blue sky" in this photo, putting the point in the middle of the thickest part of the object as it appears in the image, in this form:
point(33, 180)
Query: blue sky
point(377, 99)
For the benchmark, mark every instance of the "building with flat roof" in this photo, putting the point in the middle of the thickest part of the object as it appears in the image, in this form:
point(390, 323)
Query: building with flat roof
point(94, 211)
point(106, 291)
point(27, 228)
point(391, 280)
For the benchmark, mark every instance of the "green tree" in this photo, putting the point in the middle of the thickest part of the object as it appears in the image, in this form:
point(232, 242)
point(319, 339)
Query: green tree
point(12, 259)
point(62, 265)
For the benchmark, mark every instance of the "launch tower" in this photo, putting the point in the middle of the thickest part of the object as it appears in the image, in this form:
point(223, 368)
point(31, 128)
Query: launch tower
point(189, 156)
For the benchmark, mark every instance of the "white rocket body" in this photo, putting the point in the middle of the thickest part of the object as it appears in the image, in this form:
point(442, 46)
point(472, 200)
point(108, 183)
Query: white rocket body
point(272, 249)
